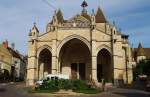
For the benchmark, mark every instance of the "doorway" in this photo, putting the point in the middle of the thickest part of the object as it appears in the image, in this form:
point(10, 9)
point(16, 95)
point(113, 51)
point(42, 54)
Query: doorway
point(78, 71)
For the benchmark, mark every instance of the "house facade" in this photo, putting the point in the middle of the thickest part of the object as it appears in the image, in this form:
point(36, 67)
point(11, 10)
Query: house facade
point(12, 61)
point(5, 58)
point(85, 47)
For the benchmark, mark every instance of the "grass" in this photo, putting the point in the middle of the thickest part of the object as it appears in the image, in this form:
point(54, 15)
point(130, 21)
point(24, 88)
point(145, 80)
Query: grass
point(43, 91)
point(88, 91)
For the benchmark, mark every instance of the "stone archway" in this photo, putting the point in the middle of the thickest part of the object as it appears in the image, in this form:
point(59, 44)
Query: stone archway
point(64, 41)
point(75, 59)
point(104, 65)
point(44, 63)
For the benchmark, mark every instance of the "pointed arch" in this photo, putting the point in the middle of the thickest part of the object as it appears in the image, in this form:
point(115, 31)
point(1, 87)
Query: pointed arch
point(64, 41)
point(103, 46)
point(42, 48)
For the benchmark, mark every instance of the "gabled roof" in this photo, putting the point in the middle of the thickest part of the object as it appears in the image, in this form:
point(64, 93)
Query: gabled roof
point(14, 53)
point(147, 53)
point(100, 18)
point(79, 18)
point(35, 28)
point(86, 16)
point(146, 50)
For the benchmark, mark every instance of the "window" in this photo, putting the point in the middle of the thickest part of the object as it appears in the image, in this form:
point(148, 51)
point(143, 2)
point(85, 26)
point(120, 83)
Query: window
point(114, 32)
point(32, 41)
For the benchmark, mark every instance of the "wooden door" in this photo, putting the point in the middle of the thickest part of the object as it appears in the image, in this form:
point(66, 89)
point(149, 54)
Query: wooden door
point(99, 72)
point(73, 71)
point(82, 71)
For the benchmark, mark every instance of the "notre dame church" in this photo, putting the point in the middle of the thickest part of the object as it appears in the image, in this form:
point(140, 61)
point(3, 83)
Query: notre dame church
point(85, 47)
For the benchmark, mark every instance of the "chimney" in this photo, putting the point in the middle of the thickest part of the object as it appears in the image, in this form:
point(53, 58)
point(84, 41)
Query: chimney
point(5, 44)
point(13, 46)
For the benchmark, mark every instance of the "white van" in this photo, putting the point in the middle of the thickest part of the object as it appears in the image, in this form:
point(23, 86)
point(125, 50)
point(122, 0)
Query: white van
point(53, 77)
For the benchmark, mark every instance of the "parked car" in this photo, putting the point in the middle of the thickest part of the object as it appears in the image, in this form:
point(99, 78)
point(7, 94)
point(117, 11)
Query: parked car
point(52, 77)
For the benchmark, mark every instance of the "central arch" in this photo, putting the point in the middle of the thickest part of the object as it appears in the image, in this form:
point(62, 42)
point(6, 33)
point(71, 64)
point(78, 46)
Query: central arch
point(75, 59)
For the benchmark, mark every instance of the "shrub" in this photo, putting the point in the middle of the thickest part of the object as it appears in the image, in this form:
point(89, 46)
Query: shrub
point(49, 85)
point(64, 84)
point(79, 84)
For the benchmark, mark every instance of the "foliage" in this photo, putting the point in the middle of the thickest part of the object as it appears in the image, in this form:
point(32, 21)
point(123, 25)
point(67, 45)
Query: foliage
point(4, 75)
point(143, 67)
point(88, 91)
point(65, 84)
point(49, 85)
point(79, 86)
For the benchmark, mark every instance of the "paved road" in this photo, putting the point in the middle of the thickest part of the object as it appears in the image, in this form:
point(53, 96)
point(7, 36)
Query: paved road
point(9, 90)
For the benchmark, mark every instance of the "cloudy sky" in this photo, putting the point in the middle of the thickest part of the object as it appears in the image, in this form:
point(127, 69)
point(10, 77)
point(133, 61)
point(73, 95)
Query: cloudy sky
point(17, 17)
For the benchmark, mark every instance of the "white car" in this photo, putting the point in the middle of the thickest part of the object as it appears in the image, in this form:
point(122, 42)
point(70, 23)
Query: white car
point(53, 77)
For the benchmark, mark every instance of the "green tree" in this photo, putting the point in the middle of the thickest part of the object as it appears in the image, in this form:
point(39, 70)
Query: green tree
point(143, 67)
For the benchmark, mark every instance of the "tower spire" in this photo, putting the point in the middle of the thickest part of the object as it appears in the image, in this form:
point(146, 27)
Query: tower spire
point(84, 5)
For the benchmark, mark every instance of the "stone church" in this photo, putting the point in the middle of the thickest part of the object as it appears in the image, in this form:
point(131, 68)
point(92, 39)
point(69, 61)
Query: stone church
point(85, 47)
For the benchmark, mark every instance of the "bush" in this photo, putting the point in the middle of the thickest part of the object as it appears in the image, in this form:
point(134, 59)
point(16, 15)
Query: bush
point(64, 84)
point(79, 84)
point(49, 85)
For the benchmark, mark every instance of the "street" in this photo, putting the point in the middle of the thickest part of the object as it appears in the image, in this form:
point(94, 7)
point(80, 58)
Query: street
point(15, 90)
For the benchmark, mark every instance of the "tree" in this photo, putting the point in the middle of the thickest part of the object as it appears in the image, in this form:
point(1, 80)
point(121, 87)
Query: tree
point(143, 67)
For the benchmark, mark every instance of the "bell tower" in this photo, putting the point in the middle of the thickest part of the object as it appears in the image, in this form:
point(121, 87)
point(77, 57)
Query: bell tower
point(84, 5)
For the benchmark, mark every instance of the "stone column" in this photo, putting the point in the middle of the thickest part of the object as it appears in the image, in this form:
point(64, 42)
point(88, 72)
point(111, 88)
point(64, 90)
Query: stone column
point(31, 70)
point(94, 61)
point(59, 68)
point(54, 57)
point(94, 68)
point(41, 71)
point(32, 63)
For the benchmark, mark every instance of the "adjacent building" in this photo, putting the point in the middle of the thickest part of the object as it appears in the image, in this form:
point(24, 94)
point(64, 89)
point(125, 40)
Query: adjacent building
point(85, 47)
point(5, 58)
point(141, 53)
point(12, 61)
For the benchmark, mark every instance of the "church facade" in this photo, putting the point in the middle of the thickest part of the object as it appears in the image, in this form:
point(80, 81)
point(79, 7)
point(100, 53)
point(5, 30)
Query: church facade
point(85, 47)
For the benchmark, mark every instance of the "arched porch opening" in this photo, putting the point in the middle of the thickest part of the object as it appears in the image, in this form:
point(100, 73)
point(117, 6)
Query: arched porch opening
point(75, 59)
point(104, 66)
point(44, 63)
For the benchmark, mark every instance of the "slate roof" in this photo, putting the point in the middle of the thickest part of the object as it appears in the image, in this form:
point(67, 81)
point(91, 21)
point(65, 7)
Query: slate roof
point(14, 53)
point(100, 18)
point(135, 53)
point(140, 50)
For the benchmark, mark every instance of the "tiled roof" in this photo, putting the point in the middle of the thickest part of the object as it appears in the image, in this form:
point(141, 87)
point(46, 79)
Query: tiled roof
point(14, 53)
point(140, 51)
point(100, 18)
point(146, 50)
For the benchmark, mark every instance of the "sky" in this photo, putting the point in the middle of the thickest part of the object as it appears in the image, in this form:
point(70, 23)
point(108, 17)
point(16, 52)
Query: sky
point(17, 18)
